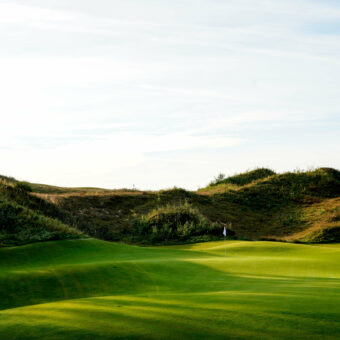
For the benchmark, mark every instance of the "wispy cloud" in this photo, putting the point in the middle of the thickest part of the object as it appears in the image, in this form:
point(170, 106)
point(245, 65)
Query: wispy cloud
point(11, 13)
point(88, 90)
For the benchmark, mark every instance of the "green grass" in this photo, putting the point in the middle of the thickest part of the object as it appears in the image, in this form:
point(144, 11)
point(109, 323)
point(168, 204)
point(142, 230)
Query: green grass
point(25, 218)
point(243, 178)
point(91, 289)
point(19, 225)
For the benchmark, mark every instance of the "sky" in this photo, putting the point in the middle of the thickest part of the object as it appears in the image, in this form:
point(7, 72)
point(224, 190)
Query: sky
point(160, 93)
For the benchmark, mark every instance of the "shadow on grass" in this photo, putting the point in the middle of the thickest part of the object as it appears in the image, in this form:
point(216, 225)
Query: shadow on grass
point(228, 315)
point(172, 294)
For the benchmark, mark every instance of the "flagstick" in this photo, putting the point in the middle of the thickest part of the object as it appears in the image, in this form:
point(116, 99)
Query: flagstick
point(225, 246)
point(225, 243)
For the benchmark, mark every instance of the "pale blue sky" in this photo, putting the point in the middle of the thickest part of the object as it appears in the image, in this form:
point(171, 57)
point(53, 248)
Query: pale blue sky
point(113, 93)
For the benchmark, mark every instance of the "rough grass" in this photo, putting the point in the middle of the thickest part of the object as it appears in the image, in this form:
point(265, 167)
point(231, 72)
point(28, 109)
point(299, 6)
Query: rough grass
point(274, 207)
point(22, 218)
point(90, 289)
point(277, 206)
point(244, 178)
point(19, 225)
point(323, 223)
point(172, 223)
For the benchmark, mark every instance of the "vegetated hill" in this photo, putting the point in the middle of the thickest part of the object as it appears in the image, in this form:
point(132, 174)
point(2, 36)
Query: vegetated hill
point(243, 178)
point(294, 206)
point(24, 218)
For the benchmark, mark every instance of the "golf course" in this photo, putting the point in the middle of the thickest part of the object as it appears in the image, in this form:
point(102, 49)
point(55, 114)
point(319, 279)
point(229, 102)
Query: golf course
point(170, 170)
point(252, 256)
point(91, 289)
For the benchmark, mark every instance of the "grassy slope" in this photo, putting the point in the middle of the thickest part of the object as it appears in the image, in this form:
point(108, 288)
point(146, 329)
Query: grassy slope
point(25, 218)
point(243, 178)
point(300, 206)
point(279, 206)
point(85, 289)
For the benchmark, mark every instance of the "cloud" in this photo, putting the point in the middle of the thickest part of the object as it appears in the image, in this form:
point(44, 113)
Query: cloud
point(11, 13)
point(90, 90)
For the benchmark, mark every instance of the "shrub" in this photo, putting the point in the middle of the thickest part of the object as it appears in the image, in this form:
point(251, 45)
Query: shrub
point(19, 225)
point(23, 186)
point(173, 222)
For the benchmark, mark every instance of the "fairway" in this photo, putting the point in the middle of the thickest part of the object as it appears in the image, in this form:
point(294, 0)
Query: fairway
point(91, 289)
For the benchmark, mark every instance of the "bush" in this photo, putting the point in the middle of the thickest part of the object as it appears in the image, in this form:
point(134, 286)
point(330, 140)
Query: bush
point(173, 222)
point(19, 225)
point(23, 186)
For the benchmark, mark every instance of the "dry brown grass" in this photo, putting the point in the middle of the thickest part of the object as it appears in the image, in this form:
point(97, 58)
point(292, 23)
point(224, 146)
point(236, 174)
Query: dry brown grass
point(287, 207)
point(325, 214)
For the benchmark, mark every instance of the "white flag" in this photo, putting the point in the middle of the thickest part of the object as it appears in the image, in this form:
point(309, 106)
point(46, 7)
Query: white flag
point(224, 232)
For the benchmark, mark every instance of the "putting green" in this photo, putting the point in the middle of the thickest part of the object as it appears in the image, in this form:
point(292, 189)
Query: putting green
point(91, 289)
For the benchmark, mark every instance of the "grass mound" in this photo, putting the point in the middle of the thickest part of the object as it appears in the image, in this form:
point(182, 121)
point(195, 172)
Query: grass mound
point(173, 222)
point(25, 218)
point(259, 204)
point(329, 234)
point(284, 188)
point(323, 182)
point(244, 178)
point(273, 207)
point(91, 289)
point(20, 193)
point(19, 225)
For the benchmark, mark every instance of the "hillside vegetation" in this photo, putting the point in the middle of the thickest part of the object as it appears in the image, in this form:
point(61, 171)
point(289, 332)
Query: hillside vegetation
point(24, 218)
point(244, 178)
point(256, 205)
point(173, 223)
point(92, 289)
